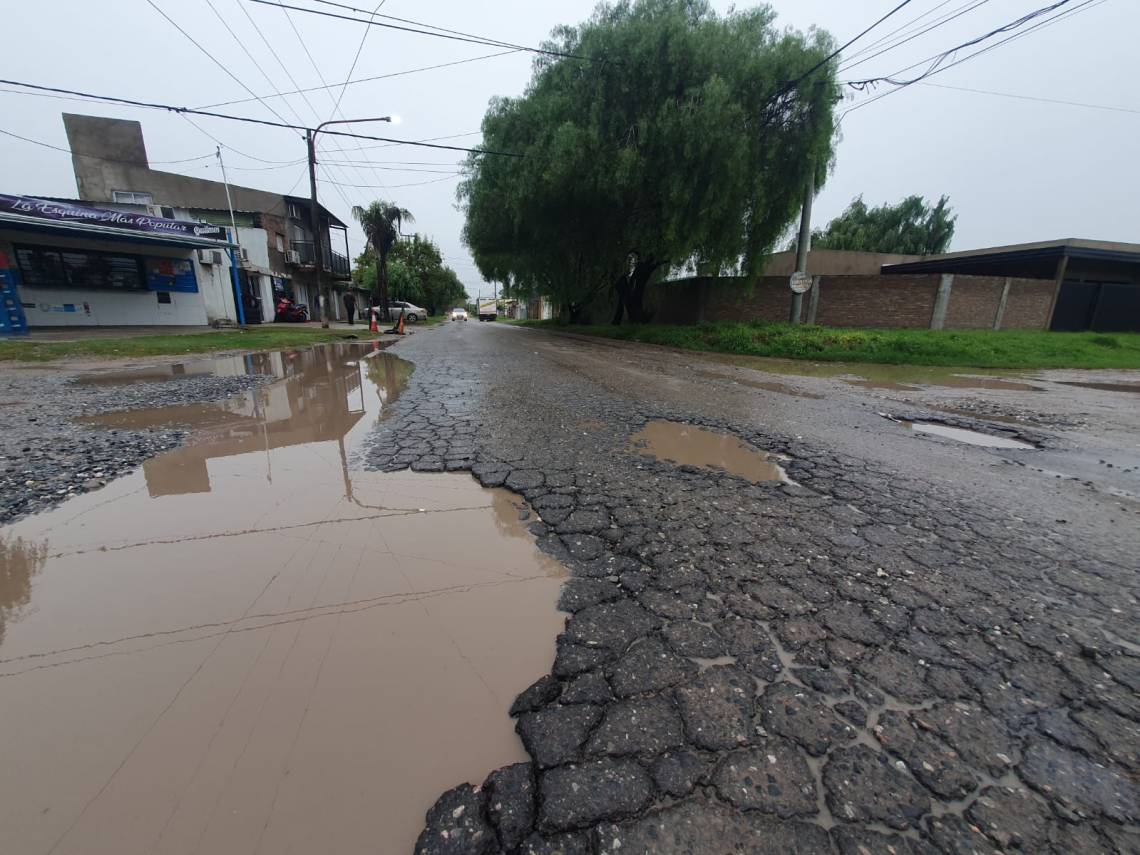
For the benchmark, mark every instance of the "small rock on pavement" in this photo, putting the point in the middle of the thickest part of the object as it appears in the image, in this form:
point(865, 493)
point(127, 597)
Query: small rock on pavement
point(862, 786)
point(773, 777)
point(580, 795)
point(456, 825)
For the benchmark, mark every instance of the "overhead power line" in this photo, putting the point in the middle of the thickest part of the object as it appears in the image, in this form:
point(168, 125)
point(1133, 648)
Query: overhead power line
point(936, 61)
point(437, 32)
point(787, 87)
point(130, 102)
point(1039, 99)
point(937, 67)
point(873, 44)
point(99, 156)
point(367, 79)
point(941, 22)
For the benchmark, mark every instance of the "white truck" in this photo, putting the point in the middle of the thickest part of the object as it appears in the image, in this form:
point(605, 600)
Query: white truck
point(488, 309)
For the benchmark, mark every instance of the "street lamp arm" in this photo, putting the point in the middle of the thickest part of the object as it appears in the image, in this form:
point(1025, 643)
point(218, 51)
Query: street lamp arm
point(314, 212)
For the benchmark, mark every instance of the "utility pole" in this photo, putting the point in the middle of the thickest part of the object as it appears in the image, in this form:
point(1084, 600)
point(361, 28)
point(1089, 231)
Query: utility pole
point(239, 308)
point(803, 245)
point(315, 226)
point(314, 210)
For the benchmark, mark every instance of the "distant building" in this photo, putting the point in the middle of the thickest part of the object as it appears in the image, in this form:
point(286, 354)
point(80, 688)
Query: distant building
point(277, 250)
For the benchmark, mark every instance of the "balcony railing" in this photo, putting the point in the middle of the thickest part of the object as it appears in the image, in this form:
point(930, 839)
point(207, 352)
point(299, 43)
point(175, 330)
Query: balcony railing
point(334, 262)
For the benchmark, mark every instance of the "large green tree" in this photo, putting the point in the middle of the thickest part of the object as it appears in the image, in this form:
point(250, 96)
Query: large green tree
point(669, 137)
point(381, 223)
point(416, 273)
point(912, 227)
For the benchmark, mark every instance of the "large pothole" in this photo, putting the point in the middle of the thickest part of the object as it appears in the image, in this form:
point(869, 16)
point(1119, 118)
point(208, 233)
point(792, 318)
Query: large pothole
point(248, 646)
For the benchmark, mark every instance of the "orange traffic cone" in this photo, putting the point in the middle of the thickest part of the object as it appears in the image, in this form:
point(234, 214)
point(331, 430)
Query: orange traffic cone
point(372, 325)
point(400, 325)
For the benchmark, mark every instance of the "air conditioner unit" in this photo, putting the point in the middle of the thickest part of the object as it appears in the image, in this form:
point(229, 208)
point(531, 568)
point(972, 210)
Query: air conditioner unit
point(292, 256)
point(243, 254)
point(209, 256)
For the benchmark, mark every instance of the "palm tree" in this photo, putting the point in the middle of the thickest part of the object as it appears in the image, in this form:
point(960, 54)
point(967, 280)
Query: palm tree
point(381, 223)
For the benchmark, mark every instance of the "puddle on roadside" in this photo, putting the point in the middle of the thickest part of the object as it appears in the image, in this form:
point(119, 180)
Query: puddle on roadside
point(970, 437)
point(247, 646)
point(765, 385)
point(875, 376)
point(1134, 388)
point(689, 445)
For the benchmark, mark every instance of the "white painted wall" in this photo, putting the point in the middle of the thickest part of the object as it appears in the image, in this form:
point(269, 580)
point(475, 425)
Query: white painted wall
point(95, 307)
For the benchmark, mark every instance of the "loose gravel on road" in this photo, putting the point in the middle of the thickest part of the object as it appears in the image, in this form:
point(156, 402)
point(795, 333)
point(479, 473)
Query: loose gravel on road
point(46, 456)
point(855, 662)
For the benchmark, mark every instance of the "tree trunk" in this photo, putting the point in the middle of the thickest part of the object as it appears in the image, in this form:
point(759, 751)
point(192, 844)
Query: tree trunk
point(621, 286)
point(382, 285)
point(635, 291)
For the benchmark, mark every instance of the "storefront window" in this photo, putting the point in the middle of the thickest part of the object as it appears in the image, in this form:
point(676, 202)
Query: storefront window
point(41, 267)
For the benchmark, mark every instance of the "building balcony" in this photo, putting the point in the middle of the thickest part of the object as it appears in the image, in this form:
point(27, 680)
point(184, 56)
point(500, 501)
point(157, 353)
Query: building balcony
point(303, 254)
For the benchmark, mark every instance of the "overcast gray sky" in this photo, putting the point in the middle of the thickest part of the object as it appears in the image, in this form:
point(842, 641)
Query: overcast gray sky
point(1015, 169)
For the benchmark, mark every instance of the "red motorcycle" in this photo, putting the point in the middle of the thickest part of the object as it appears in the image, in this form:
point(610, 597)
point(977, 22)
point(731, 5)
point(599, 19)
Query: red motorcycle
point(288, 312)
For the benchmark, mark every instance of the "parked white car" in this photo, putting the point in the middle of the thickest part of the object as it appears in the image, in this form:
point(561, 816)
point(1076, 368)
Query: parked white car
point(411, 313)
point(458, 314)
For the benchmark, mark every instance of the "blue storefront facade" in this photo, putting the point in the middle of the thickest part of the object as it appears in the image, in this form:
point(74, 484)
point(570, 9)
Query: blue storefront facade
point(66, 265)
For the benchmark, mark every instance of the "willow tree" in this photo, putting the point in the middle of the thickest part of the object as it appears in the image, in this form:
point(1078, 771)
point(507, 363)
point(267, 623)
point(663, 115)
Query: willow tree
point(665, 135)
point(912, 227)
point(381, 223)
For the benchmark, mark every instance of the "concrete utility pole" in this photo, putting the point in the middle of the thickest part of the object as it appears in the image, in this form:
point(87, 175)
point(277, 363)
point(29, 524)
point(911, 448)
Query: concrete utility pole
point(803, 245)
point(234, 257)
point(315, 213)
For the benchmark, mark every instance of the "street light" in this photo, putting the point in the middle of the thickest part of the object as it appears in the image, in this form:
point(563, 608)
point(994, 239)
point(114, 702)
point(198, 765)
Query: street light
point(314, 211)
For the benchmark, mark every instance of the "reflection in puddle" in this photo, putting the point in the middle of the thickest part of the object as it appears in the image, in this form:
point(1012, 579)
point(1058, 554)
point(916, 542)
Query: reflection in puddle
point(689, 445)
point(971, 437)
point(246, 646)
point(1104, 387)
point(915, 382)
point(765, 385)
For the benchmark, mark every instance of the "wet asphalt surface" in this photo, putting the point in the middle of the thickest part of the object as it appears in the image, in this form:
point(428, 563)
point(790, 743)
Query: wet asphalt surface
point(917, 647)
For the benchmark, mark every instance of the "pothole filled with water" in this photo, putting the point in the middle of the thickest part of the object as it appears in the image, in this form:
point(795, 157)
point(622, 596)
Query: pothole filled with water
point(246, 645)
point(970, 437)
point(689, 445)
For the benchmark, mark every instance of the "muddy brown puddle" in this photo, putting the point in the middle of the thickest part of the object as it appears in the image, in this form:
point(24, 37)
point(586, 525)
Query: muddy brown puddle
point(247, 646)
point(689, 445)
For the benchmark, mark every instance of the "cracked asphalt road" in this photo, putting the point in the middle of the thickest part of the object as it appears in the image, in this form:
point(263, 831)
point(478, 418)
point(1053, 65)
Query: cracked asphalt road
point(906, 650)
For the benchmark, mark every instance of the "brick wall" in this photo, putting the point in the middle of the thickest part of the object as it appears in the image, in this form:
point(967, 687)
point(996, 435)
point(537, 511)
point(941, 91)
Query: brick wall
point(1028, 305)
point(886, 302)
point(875, 301)
point(736, 299)
point(974, 301)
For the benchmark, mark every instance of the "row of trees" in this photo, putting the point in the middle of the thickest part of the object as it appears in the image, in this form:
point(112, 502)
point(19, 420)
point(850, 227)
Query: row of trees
point(666, 136)
point(410, 269)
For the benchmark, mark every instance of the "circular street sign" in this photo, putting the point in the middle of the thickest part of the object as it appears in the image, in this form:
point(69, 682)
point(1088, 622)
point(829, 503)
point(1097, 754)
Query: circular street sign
point(800, 282)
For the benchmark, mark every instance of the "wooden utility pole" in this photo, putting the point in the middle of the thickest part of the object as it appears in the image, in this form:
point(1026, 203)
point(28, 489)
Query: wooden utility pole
point(803, 245)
